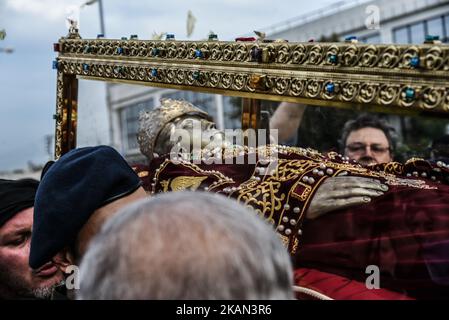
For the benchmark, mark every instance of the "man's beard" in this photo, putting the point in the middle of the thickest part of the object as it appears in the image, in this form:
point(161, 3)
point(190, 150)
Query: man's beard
point(367, 161)
point(17, 288)
point(46, 293)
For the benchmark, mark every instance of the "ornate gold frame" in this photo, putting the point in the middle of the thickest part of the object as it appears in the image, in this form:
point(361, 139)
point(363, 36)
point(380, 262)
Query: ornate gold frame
point(390, 78)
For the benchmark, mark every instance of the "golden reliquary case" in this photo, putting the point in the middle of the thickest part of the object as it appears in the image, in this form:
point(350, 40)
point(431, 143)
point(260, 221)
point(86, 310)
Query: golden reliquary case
point(383, 78)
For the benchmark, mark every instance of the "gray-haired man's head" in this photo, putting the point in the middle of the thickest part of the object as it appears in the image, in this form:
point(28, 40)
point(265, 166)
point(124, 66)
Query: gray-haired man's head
point(186, 245)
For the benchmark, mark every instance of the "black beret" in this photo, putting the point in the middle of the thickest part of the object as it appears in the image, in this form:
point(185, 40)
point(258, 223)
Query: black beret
point(15, 196)
point(71, 189)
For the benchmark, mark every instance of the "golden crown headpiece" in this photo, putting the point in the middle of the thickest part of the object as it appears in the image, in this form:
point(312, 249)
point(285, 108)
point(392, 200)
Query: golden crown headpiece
point(151, 123)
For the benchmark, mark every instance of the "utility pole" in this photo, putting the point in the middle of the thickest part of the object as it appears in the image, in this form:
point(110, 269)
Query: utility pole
point(100, 8)
point(107, 87)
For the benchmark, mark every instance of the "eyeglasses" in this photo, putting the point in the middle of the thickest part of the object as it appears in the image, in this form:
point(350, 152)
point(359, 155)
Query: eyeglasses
point(359, 148)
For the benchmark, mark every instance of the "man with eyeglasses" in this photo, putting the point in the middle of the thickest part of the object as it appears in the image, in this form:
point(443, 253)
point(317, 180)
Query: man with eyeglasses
point(368, 140)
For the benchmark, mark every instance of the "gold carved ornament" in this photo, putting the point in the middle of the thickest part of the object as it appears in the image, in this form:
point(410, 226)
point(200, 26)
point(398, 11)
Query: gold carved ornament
point(391, 78)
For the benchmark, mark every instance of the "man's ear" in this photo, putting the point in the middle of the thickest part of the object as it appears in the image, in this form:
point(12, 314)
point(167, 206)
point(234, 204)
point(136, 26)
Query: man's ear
point(64, 259)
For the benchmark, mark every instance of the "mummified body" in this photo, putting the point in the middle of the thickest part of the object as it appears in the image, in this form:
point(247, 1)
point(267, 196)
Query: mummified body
point(335, 216)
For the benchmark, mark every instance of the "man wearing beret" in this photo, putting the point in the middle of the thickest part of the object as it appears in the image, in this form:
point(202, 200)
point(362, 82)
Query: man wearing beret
point(77, 194)
point(17, 279)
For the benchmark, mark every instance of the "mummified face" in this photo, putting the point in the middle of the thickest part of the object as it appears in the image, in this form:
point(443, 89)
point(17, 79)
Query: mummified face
point(188, 133)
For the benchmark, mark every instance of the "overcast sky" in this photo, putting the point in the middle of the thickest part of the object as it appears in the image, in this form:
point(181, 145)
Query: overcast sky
point(27, 81)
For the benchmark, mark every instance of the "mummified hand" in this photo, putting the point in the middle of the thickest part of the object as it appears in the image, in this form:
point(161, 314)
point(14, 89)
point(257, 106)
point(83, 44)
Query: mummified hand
point(343, 192)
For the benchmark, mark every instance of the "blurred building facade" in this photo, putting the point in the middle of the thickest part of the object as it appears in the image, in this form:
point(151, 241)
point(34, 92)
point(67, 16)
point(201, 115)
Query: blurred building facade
point(401, 21)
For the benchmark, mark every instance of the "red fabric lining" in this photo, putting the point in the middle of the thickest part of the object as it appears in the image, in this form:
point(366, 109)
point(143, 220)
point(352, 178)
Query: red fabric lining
point(340, 288)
